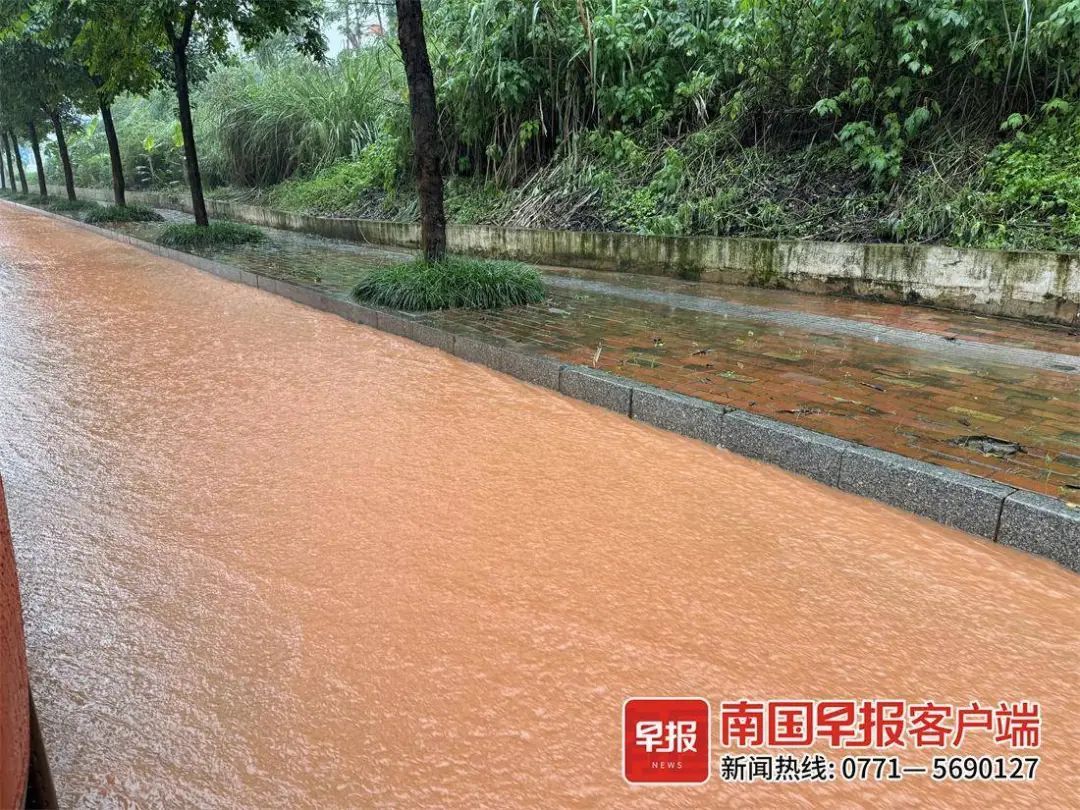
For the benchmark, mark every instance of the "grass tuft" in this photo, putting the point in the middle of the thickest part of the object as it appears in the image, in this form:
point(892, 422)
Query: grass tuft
point(456, 281)
point(65, 206)
point(215, 235)
point(122, 213)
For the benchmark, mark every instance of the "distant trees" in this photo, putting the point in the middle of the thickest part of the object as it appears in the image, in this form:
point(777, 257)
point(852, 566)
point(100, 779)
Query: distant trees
point(21, 98)
point(61, 55)
point(159, 37)
point(359, 18)
point(96, 61)
point(182, 22)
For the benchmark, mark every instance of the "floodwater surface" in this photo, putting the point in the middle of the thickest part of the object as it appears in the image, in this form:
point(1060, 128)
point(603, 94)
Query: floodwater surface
point(274, 559)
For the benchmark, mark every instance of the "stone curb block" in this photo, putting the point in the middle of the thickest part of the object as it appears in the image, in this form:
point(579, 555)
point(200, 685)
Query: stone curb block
point(177, 255)
point(795, 449)
point(354, 312)
point(224, 271)
point(407, 327)
point(962, 501)
point(301, 295)
point(249, 278)
point(394, 324)
point(532, 368)
point(597, 388)
point(433, 337)
point(1041, 525)
point(678, 413)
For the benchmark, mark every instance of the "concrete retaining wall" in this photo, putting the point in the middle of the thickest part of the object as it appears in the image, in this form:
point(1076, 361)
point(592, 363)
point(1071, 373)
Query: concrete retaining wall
point(1035, 285)
point(1035, 523)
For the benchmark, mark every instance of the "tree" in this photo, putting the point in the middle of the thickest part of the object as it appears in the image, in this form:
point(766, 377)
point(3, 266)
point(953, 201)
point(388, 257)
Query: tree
point(116, 162)
point(35, 147)
point(176, 25)
point(20, 103)
point(56, 116)
point(62, 85)
point(410, 23)
point(10, 165)
point(18, 161)
point(99, 46)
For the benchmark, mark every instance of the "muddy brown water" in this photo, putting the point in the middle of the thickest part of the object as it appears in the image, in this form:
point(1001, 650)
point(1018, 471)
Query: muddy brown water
point(270, 558)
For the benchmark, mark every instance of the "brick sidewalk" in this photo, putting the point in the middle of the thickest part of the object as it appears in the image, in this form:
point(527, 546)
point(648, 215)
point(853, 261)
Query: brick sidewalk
point(808, 360)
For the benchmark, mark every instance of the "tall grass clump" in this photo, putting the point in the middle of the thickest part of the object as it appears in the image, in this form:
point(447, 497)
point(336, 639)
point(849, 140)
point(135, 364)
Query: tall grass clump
point(456, 281)
point(122, 213)
point(266, 120)
point(186, 236)
point(66, 206)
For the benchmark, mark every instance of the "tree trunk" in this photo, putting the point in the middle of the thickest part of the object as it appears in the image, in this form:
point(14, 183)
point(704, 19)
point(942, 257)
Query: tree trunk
point(18, 162)
point(3, 171)
point(410, 22)
point(114, 154)
point(187, 128)
point(35, 146)
point(65, 158)
point(10, 165)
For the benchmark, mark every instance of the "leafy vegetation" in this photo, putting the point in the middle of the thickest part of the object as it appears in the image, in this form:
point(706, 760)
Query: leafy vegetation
point(71, 206)
point(456, 281)
point(867, 120)
point(186, 236)
point(1031, 191)
point(266, 120)
point(121, 213)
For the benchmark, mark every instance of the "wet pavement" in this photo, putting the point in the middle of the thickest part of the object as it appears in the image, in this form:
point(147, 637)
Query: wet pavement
point(988, 396)
point(271, 558)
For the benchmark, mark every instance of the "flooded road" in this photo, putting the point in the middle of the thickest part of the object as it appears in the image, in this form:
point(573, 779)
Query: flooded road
point(274, 559)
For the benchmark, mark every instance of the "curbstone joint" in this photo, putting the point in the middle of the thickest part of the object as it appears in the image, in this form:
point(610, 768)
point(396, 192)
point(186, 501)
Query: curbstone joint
point(689, 416)
point(793, 448)
point(1041, 525)
point(956, 499)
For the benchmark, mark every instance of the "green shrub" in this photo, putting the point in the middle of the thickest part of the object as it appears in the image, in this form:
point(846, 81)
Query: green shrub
point(122, 213)
point(339, 188)
point(188, 236)
point(65, 206)
point(420, 286)
point(1030, 197)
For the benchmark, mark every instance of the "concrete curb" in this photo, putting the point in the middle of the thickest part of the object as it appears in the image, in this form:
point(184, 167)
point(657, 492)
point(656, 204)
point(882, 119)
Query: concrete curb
point(533, 368)
point(1041, 525)
point(689, 416)
point(597, 388)
point(796, 449)
point(1035, 523)
point(953, 498)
